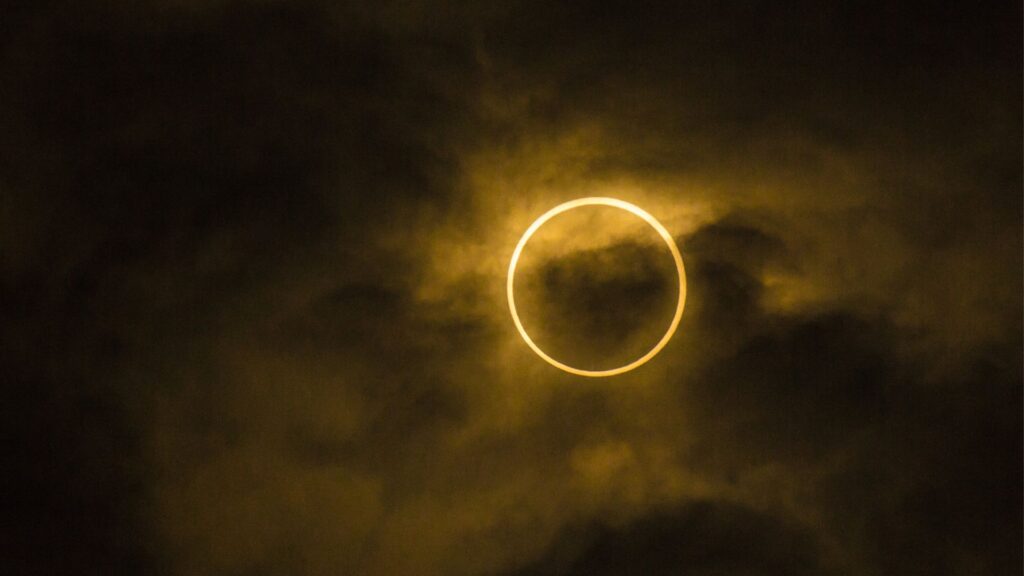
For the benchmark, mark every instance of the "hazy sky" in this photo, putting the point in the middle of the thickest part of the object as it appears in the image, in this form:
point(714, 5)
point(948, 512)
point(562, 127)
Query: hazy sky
point(253, 260)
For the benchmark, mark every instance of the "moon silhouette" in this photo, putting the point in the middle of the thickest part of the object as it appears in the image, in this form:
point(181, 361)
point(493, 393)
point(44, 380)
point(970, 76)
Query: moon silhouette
point(632, 209)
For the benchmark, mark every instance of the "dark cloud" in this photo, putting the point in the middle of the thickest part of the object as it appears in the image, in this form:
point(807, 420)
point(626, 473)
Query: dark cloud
point(700, 538)
point(601, 307)
point(253, 266)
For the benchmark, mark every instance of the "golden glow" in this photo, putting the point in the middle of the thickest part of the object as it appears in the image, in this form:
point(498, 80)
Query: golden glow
point(632, 209)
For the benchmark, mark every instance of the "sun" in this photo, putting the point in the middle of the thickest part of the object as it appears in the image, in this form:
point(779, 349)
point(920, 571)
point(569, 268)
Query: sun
point(636, 211)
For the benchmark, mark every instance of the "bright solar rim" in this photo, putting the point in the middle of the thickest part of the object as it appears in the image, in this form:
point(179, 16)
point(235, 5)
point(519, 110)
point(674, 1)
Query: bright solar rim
point(632, 209)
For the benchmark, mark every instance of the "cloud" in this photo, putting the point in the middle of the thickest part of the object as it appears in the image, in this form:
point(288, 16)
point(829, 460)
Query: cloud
point(600, 307)
point(699, 538)
point(255, 257)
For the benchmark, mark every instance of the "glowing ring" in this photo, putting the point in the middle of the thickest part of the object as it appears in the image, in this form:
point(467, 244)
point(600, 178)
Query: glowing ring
point(595, 201)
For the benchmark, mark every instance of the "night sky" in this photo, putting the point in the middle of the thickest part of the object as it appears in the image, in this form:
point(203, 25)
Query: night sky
point(253, 260)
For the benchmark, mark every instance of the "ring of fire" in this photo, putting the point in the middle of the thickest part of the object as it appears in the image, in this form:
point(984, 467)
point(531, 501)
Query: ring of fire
point(632, 209)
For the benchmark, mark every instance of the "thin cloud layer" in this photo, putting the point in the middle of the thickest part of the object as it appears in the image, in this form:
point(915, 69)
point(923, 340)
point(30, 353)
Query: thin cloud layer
point(254, 257)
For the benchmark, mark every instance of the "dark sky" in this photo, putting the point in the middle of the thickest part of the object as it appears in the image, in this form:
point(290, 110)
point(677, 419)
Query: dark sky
point(253, 260)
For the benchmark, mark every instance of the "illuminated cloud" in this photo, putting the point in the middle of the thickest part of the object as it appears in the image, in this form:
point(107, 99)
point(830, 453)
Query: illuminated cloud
point(254, 261)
